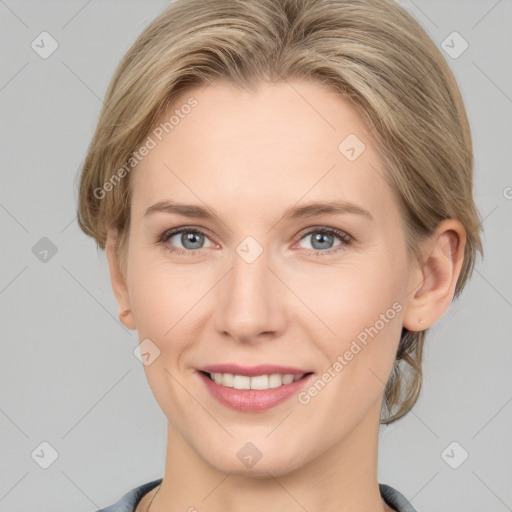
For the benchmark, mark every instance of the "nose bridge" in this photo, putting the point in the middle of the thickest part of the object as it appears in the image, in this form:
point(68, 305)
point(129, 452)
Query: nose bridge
point(248, 302)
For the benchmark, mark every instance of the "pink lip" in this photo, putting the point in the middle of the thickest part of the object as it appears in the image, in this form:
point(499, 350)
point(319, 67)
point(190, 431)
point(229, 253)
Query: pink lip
point(251, 371)
point(253, 400)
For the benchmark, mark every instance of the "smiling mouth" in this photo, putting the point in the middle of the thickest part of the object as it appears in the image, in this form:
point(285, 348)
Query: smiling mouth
point(257, 382)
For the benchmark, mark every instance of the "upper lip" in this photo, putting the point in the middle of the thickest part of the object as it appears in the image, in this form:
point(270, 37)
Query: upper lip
point(251, 371)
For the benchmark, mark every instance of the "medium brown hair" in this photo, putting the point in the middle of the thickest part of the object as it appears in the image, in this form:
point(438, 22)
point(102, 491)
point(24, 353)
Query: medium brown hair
point(371, 52)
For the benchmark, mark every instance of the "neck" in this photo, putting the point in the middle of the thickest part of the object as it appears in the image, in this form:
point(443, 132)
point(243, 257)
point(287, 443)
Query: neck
point(341, 479)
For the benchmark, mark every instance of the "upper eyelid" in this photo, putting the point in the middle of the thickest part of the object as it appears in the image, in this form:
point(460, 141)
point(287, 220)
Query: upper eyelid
point(168, 233)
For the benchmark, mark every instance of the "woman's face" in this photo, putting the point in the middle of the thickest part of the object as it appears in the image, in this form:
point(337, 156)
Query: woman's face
point(260, 280)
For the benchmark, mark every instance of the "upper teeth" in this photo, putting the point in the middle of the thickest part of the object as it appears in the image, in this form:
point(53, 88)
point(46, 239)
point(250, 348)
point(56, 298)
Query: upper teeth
point(258, 382)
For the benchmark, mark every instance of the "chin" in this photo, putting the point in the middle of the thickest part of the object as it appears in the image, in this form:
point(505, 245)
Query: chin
point(240, 464)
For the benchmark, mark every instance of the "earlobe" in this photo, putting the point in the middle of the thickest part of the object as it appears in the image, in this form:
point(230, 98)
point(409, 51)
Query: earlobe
point(442, 259)
point(118, 282)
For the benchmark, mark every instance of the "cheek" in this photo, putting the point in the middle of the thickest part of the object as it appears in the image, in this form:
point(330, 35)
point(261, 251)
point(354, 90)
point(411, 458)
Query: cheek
point(158, 291)
point(350, 297)
point(365, 314)
point(361, 305)
point(165, 306)
point(152, 297)
point(160, 300)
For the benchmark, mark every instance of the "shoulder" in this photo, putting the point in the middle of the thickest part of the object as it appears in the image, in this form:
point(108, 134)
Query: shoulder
point(131, 499)
point(395, 499)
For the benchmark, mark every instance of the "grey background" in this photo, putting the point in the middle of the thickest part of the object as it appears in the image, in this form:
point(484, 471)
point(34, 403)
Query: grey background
point(68, 373)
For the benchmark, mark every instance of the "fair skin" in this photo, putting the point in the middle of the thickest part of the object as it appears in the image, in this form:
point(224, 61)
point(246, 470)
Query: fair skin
point(248, 157)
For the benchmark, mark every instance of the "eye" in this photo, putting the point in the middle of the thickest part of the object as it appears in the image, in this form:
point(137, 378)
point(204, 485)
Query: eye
point(322, 240)
point(190, 239)
point(186, 241)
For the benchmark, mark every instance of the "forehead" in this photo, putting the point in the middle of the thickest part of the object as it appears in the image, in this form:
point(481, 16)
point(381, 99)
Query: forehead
point(274, 145)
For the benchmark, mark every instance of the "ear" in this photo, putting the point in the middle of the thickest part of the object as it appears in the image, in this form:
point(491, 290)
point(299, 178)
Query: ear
point(118, 282)
point(434, 280)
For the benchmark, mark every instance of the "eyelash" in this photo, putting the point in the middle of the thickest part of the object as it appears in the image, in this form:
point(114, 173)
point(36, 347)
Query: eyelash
point(345, 238)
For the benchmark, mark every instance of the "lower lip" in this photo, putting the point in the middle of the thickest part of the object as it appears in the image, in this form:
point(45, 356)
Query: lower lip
point(253, 400)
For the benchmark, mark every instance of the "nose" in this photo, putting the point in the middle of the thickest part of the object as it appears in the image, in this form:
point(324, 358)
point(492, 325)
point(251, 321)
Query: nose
point(250, 301)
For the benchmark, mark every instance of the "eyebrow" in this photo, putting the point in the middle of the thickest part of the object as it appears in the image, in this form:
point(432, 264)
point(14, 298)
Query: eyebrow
point(296, 212)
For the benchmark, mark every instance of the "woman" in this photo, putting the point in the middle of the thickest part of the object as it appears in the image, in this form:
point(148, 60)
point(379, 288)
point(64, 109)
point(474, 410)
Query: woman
point(284, 193)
